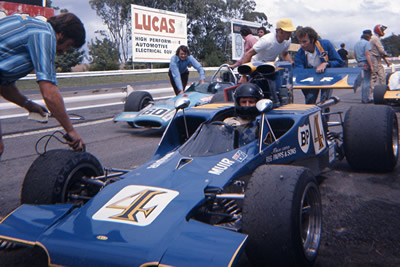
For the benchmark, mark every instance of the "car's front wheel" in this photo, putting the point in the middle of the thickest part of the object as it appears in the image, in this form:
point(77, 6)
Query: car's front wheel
point(61, 176)
point(282, 214)
point(136, 101)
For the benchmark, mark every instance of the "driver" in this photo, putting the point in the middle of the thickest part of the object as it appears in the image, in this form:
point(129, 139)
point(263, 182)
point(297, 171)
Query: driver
point(246, 97)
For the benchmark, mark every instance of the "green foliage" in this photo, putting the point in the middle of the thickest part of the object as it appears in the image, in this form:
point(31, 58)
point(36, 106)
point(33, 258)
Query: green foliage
point(392, 45)
point(116, 14)
point(65, 61)
point(105, 55)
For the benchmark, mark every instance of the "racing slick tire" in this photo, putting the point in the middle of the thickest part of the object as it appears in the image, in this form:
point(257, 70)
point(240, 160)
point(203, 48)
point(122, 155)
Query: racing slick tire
point(282, 214)
point(136, 101)
point(379, 93)
point(371, 138)
point(57, 177)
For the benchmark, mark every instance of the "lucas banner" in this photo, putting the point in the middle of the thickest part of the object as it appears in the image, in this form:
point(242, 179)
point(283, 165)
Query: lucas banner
point(156, 34)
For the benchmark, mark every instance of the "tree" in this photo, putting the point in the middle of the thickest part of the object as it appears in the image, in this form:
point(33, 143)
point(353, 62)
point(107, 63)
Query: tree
point(65, 61)
point(116, 15)
point(208, 23)
point(392, 45)
point(105, 55)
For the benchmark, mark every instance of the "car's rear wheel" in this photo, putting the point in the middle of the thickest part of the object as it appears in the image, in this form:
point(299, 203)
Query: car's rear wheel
point(371, 138)
point(379, 93)
point(282, 214)
point(60, 176)
point(136, 101)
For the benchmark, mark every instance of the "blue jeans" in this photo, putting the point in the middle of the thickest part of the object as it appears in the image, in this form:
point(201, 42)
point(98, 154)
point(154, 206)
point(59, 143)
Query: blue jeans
point(366, 92)
point(311, 95)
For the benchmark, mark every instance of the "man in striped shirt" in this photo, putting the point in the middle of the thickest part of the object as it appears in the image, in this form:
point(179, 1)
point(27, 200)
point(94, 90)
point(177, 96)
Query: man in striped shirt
point(28, 44)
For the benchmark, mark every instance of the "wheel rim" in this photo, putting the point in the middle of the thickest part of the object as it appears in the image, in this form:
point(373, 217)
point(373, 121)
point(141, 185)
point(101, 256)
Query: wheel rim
point(395, 139)
point(146, 101)
point(311, 221)
point(77, 190)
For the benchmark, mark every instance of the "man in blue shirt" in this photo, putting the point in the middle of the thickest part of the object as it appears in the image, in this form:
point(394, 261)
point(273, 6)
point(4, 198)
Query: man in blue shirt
point(28, 44)
point(318, 54)
point(362, 54)
point(178, 69)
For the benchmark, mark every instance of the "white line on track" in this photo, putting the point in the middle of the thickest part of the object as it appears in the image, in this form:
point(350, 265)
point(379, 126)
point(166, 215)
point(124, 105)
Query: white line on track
point(55, 129)
point(22, 114)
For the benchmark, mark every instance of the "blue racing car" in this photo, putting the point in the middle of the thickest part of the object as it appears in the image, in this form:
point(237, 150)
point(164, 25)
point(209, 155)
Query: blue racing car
point(141, 111)
point(208, 196)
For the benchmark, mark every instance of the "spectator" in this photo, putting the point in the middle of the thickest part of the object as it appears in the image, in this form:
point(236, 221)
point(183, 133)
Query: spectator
point(318, 54)
point(249, 41)
point(270, 46)
point(344, 54)
point(29, 44)
point(362, 54)
point(378, 53)
point(178, 69)
point(261, 31)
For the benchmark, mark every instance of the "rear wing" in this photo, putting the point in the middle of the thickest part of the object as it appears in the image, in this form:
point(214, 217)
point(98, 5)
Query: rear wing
point(332, 78)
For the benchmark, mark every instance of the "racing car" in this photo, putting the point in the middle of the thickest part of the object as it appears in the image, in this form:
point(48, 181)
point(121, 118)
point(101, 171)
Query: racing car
point(204, 198)
point(141, 111)
point(388, 93)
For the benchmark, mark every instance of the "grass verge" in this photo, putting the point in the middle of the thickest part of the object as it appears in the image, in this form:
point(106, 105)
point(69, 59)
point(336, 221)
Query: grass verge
point(102, 80)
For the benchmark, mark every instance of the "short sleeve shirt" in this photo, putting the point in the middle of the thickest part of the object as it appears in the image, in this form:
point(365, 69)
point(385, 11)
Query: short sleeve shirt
point(360, 47)
point(268, 48)
point(26, 44)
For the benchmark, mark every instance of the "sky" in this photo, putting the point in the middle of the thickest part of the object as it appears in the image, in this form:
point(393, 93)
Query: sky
point(340, 21)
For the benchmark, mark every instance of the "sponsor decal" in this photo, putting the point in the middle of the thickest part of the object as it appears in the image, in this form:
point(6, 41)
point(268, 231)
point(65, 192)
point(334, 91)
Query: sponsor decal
point(303, 136)
point(281, 153)
point(311, 79)
point(239, 156)
point(221, 166)
point(136, 205)
point(158, 162)
point(318, 134)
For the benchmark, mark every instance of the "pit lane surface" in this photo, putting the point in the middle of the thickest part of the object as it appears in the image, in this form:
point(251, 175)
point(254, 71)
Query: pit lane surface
point(361, 210)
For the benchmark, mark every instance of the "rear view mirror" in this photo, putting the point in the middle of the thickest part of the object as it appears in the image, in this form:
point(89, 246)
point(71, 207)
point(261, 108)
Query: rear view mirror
point(182, 103)
point(264, 105)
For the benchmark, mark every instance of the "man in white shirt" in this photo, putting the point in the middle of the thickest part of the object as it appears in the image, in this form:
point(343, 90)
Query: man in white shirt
point(270, 46)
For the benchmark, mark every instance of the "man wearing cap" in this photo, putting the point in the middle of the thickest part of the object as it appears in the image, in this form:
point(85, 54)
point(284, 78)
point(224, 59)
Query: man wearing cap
point(270, 46)
point(362, 53)
point(317, 54)
point(378, 53)
point(249, 41)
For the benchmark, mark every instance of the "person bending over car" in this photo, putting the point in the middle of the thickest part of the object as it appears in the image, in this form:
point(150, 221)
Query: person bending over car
point(315, 54)
point(28, 44)
point(178, 69)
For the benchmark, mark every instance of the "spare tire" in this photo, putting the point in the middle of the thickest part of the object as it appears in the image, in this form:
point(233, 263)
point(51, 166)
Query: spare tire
point(57, 176)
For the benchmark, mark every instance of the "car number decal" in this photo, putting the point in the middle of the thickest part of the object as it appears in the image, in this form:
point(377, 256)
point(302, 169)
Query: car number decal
point(136, 205)
point(318, 134)
point(155, 112)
